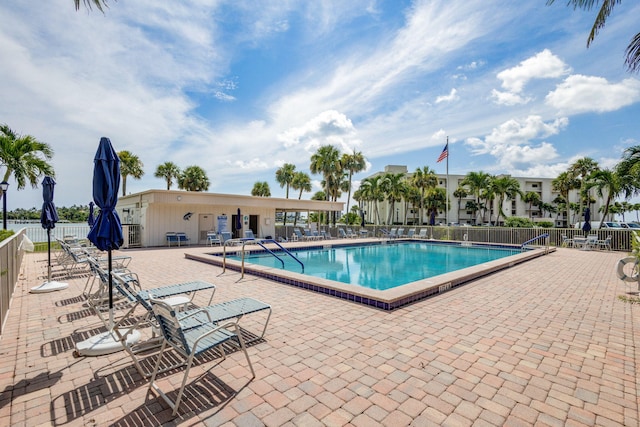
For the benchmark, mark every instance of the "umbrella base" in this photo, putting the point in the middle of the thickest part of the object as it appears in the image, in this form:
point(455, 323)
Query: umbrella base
point(105, 343)
point(49, 287)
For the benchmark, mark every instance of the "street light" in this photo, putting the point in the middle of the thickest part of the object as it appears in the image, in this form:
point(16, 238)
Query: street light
point(4, 186)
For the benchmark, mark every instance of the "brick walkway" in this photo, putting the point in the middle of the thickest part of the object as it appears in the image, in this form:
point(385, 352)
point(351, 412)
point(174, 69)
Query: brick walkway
point(545, 343)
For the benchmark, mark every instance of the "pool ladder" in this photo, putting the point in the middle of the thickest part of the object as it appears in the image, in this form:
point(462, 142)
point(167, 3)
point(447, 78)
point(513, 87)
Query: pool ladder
point(259, 242)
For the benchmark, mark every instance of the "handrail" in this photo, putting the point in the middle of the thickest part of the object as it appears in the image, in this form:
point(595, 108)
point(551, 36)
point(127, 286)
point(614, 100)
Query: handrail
point(260, 242)
point(542, 236)
point(285, 250)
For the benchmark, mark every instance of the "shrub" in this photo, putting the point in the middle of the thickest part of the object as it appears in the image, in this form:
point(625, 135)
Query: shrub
point(518, 222)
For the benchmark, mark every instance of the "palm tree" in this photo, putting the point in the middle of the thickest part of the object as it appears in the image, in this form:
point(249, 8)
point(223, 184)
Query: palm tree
point(285, 175)
point(326, 161)
point(352, 163)
point(193, 178)
point(130, 164)
point(476, 181)
point(605, 181)
point(372, 192)
point(261, 189)
point(628, 170)
point(393, 188)
point(633, 49)
point(168, 171)
point(581, 169)
point(532, 198)
point(504, 187)
point(99, 4)
point(435, 200)
point(423, 179)
point(301, 181)
point(24, 157)
point(563, 184)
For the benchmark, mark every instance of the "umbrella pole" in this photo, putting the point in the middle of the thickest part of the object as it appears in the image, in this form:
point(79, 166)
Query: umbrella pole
point(48, 254)
point(110, 293)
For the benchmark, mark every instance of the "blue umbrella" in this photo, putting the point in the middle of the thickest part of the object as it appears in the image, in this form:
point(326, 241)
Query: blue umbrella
point(586, 227)
point(106, 233)
point(238, 222)
point(91, 220)
point(48, 217)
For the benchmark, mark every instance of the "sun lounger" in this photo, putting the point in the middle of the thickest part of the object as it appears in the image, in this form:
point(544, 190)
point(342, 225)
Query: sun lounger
point(190, 342)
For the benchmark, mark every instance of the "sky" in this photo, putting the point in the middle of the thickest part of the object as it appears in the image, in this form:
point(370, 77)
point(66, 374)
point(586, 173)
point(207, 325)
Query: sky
point(240, 88)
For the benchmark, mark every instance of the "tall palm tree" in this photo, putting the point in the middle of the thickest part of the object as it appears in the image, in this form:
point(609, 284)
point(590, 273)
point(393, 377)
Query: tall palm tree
point(130, 164)
point(628, 170)
point(285, 175)
point(261, 189)
point(581, 169)
point(372, 192)
point(392, 186)
point(326, 161)
point(435, 200)
point(532, 198)
point(352, 163)
point(607, 185)
point(23, 157)
point(633, 49)
point(476, 182)
point(193, 178)
point(423, 179)
point(302, 182)
point(168, 171)
point(504, 187)
point(563, 184)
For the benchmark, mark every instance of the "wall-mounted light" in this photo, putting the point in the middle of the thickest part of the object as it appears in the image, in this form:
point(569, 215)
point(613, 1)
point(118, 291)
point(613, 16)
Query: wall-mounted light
point(179, 198)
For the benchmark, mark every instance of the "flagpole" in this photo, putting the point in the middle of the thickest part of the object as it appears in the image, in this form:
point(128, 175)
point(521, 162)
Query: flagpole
point(446, 209)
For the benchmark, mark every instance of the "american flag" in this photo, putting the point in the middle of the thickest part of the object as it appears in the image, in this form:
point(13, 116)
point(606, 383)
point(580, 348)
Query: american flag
point(444, 154)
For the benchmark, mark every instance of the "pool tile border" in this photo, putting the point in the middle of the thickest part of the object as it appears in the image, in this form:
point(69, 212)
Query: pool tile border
point(387, 300)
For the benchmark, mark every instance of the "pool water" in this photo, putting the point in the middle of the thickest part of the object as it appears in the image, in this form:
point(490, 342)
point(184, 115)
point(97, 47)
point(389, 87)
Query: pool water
point(381, 267)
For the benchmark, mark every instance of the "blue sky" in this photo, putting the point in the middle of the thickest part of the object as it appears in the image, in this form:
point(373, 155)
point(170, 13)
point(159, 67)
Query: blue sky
point(241, 87)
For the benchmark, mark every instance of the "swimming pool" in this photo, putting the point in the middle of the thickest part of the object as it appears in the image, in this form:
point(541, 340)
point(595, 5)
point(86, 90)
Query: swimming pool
point(386, 299)
point(379, 267)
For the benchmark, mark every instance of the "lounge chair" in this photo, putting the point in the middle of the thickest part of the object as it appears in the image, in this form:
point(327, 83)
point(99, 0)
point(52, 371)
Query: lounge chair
point(392, 233)
point(566, 242)
point(248, 234)
point(364, 233)
point(180, 297)
point(423, 233)
point(401, 232)
point(342, 234)
point(213, 238)
point(351, 234)
point(298, 235)
point(411, 232)
point(190, 342)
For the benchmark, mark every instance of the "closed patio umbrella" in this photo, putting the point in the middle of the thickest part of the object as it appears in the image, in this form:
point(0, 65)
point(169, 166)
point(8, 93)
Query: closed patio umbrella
point(48, 219)
point(586, 227)
point(91, 219)
point(106, 235)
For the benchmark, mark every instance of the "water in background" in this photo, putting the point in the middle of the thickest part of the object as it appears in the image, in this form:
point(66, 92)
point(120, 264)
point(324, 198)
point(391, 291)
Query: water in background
point(37, 234)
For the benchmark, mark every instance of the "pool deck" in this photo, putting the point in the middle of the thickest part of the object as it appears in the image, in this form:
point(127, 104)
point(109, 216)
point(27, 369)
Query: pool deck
point(546, 342)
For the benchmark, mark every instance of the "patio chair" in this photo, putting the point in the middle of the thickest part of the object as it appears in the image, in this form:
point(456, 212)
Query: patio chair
point(401, 232)
point(604, 244)
point(298, 235)
point(351, 234)
point(566, 241)
point(248, 234)
point(392, 233)
point(411, 232)
point(191, 342)
point(423, 233)
point(213, 238)
point(342, 234)
point(174, 295)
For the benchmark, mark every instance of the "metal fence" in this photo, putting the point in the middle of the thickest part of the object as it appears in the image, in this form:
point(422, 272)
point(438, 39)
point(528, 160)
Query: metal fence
point(10, 262)
point(620, 238)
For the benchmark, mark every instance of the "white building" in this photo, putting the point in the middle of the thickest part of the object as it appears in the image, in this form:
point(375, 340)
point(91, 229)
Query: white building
point(459, 214)
point(156, 212)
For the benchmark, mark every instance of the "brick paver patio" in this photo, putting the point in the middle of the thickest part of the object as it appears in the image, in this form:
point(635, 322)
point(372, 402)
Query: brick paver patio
point(543, 343)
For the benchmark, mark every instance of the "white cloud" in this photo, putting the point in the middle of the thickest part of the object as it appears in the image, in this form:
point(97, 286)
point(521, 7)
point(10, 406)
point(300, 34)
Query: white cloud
point(510, 143)
point(329, 127)
point(581, 94)
point(453, 96)
point(543, 65)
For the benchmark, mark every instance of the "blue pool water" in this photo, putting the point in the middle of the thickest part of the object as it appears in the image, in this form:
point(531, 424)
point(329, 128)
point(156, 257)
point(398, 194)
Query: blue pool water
point(381, 266)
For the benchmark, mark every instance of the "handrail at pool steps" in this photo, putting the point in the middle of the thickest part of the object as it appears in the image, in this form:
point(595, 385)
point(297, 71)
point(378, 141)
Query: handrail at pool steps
point(260, 242)
point(542, 236)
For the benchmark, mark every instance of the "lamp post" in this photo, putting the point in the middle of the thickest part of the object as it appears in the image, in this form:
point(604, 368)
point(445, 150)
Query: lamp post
point(4, 186)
